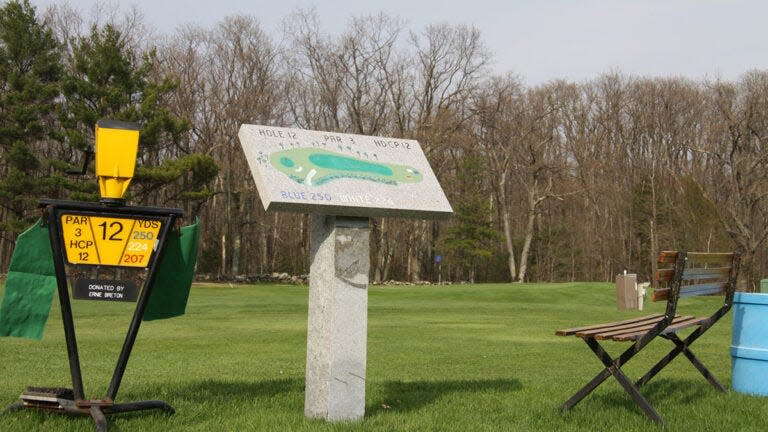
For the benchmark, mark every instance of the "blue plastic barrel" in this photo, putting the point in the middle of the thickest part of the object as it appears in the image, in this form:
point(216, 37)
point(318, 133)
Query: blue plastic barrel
point(749, 350)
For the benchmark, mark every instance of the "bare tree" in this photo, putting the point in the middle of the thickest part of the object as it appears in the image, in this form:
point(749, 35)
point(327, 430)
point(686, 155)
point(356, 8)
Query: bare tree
point(228, 76)
point(736, 162)
point(499, 110)
point(450, 63)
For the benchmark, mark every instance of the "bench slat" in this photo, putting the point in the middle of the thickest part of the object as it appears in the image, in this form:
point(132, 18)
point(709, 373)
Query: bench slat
point(660, 294)
point(692, 290)
point(637, 330)
point(677, 324)
point(694, 265)
point(667, 257)
point(703, 289)
point(665, 275)
point(710, 257)
point(574, 330)
point(621, 326)
point(706, 273)
point(620, 331)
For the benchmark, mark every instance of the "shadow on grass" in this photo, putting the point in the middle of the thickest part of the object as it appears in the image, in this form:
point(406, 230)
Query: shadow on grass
point(396, 396)
point(669, 390)
point(407, 396)
point(678, 390)
point(218, 390)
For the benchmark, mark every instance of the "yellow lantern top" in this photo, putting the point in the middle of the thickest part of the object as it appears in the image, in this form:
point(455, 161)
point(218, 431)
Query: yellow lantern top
point(117, 145)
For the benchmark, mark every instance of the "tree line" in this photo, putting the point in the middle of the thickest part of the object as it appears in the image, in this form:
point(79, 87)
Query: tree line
point(555, 182)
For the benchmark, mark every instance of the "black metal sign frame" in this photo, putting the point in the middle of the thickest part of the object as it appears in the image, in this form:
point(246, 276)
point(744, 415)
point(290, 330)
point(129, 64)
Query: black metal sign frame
point(78, 403)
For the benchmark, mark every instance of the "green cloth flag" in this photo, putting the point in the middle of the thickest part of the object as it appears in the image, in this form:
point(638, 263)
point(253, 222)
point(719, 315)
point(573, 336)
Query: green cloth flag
point(31, 281)
point(29, 286)
point(174, 274)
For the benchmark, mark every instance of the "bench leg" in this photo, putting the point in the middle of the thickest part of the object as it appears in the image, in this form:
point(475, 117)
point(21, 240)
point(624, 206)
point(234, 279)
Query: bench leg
point(662, 363)
point(704, 371)
point(681, 346)
point(587, 389)
point(695, 360)
point(613, 367)
point(635, 393)
point(597, 380)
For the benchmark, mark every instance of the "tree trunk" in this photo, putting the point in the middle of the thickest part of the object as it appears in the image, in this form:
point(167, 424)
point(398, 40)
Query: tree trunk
point(236, 253)
point(529, 230)
point(223, 267)
point(414, 260)
point(380, 260)
point(263, 248)
point(275, 236)
point(507, 226)
point(653, 234)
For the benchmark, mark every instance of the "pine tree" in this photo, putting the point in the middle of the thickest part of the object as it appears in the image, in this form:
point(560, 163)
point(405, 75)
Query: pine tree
point(107, 80)
point(29, 86)
point(472, 237)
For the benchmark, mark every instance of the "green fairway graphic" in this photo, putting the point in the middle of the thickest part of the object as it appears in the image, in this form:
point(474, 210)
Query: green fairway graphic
point(314, 167)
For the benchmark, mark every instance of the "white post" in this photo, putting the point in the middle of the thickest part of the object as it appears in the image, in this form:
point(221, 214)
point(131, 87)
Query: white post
point(338, 318)
point(641, 290)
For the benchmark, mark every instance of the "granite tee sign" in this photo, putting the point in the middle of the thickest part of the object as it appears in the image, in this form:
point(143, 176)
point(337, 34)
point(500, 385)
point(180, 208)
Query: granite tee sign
point(343, 180)
point(341, 174)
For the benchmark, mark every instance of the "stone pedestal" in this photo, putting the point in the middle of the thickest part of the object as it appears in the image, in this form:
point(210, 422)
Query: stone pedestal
point(338, 318)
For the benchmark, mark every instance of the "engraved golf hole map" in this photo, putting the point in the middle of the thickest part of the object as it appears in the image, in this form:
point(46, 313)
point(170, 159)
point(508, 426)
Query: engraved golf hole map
point(341, 174)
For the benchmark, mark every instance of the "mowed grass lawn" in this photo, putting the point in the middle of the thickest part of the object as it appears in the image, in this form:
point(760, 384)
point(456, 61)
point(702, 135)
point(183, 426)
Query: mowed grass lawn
point(440, 358)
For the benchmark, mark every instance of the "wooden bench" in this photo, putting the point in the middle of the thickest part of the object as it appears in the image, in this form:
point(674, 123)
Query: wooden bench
point(680, 274)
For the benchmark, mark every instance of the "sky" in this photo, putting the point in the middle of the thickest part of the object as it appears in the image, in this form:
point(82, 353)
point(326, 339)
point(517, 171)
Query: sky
point(538, 40)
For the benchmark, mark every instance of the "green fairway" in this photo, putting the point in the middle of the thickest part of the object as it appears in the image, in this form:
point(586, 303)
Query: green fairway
point(447, 358)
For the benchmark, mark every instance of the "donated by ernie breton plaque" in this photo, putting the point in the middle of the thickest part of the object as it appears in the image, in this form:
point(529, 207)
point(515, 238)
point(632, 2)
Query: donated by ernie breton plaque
point(107, 290)
point(341, 174)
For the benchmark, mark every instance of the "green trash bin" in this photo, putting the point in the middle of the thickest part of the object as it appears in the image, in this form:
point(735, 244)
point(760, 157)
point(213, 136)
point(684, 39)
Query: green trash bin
point(764, 285)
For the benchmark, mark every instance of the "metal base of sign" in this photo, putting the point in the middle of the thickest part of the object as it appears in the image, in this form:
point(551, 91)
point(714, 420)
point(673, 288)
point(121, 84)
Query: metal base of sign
point(96, 409)
point(75, 402)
